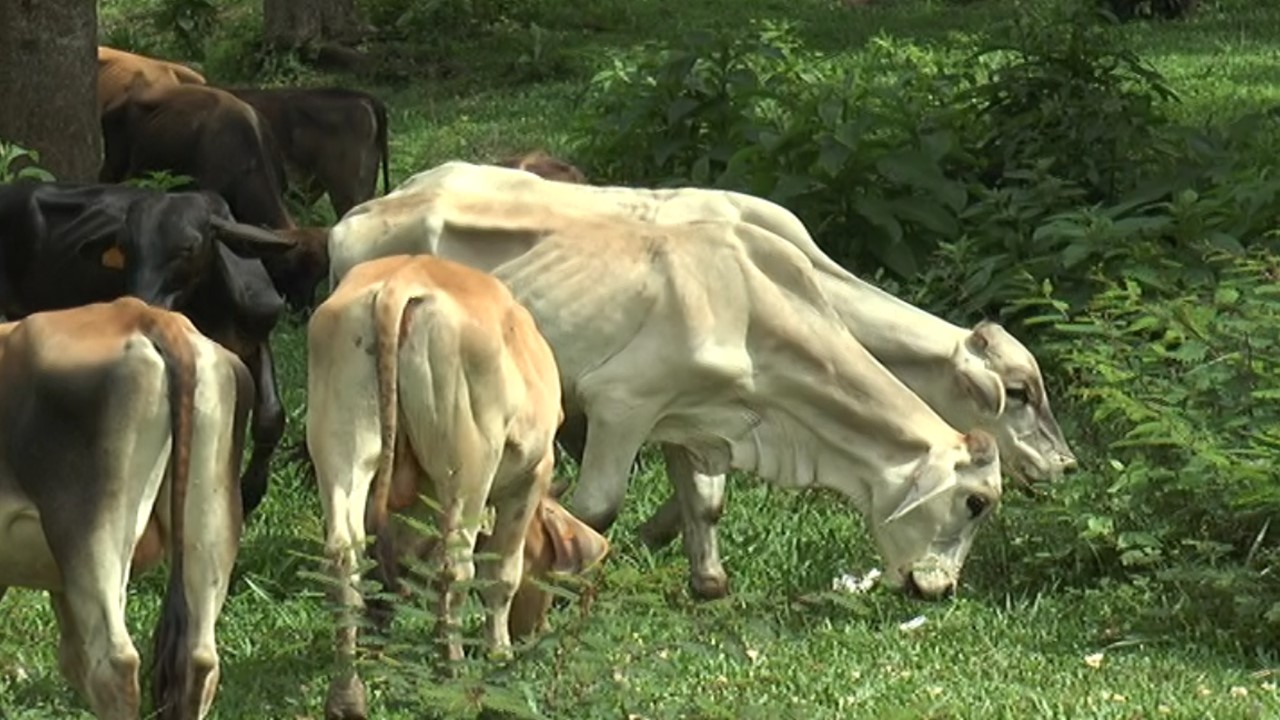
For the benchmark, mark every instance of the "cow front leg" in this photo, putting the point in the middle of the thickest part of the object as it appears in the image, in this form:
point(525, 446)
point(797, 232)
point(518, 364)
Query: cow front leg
point(268, 428)
point(700, 499)
point(612, 443)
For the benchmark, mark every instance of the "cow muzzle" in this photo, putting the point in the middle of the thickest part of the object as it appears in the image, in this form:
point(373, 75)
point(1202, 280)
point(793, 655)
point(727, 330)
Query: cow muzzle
point(930, 584)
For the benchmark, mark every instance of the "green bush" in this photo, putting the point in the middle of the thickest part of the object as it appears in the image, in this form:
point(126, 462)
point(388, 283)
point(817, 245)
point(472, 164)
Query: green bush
point(1173, 378)
point(870, 158)
point(1066, 96)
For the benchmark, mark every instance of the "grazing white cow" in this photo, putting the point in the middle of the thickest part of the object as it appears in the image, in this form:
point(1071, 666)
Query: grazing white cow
point(484, 216)
point(717, 337)
point(123, 431)
point(426, 376)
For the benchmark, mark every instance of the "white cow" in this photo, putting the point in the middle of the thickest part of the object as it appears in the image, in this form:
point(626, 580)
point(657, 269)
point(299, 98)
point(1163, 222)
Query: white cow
point(484, 216)
point(425, 376)
point(717, 338)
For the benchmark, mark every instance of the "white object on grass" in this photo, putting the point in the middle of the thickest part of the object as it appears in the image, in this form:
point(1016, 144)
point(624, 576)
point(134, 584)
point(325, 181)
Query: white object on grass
point(853, 584)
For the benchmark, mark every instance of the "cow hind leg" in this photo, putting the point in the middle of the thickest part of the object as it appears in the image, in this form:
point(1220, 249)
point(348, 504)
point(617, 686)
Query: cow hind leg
point(212, 536)
point(94, 604)
point(459, 530)
point(500, 572)
point(346, 698)
point(70, 644)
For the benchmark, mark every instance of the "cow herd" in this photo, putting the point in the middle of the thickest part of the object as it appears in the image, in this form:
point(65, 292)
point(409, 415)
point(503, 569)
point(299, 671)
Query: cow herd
point(478, 315)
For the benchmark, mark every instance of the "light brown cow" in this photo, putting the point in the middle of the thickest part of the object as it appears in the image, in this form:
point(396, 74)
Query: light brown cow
point(544, 166)
point(427, 377)
point(121, 72)
point(122, 436)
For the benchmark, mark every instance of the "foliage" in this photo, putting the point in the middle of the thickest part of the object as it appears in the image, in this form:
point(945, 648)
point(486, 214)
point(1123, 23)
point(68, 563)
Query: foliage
point(1174, 368)
point(190, 21)
point(866, 158)
point(18, 163)
point(1037, 228)
point(1066, 96)
point(162, 180)
point(1167, 9)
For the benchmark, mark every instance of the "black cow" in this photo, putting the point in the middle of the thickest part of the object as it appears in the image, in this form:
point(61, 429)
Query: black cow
point(64, 245)
point(333, 140)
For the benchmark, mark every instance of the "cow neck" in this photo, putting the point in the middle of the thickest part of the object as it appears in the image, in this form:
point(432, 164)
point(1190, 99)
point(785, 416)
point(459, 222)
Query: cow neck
point(828, 408)
point(896, 332)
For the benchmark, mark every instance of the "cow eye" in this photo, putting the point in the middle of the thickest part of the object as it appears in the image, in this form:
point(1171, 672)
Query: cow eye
point(1017, 394)
point(976, 504)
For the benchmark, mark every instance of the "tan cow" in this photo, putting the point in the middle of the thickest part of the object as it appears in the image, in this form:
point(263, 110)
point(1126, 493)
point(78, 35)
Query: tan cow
point(122, 437)
point(121, 72)
point(427, 377)
point(484, 216)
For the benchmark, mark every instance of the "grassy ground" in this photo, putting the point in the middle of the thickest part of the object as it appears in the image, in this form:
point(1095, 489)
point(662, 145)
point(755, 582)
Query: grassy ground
point(1012, 646)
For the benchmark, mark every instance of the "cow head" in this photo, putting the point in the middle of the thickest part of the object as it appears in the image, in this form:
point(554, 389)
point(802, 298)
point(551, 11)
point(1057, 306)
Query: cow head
point(171, 243)
point(556, 543)
point(925, 525)
point(545, 166)
point(1002, 387)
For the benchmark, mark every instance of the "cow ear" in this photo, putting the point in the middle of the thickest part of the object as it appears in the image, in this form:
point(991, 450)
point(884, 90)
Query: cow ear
point(253, 297)
point(980, 383)
point(927, 481)
point(247, 239)
point(576, 547)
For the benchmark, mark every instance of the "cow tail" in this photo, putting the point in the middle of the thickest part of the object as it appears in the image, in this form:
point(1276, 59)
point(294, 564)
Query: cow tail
point(172, 662)
point(380, 136)
point(388, 314)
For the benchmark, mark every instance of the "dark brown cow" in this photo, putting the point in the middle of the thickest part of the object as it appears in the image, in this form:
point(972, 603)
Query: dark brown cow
point(333, 140)
point(205, 133)
point(297, 272)
point(109, 456)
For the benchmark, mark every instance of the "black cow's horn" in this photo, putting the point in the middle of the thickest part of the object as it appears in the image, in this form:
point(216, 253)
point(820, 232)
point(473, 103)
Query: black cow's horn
point(249, 237)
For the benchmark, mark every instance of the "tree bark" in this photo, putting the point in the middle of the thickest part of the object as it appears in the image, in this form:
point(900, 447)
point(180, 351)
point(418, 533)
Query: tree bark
point(294, 23)
point(48, 82)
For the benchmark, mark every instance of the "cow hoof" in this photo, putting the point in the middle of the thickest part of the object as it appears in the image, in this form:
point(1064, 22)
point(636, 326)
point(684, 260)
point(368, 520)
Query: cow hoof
point(709, 587)
point(347, 700)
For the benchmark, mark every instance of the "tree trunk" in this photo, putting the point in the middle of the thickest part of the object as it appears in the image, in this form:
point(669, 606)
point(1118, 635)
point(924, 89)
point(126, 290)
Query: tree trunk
point(294, 23)
point(49, 83)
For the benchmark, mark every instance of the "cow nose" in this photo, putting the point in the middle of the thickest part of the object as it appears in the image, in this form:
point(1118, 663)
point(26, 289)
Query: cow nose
point(1069, 465)
point(913, 590)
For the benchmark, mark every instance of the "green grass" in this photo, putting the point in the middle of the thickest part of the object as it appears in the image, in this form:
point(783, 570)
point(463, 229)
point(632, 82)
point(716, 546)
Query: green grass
point(1012, 646)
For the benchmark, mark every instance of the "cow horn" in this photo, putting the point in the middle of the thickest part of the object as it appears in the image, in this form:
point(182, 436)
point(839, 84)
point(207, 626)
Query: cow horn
point(248, 238)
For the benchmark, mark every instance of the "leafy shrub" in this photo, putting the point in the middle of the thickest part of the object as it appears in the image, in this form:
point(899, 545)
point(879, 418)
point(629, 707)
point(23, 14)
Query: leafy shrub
point(1175, 377)
point(18, 163)
point(1167, 9)
point(1064, 95)
point(681, 114)
point(190, 21)
point(162, 180)
point(871, 158)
